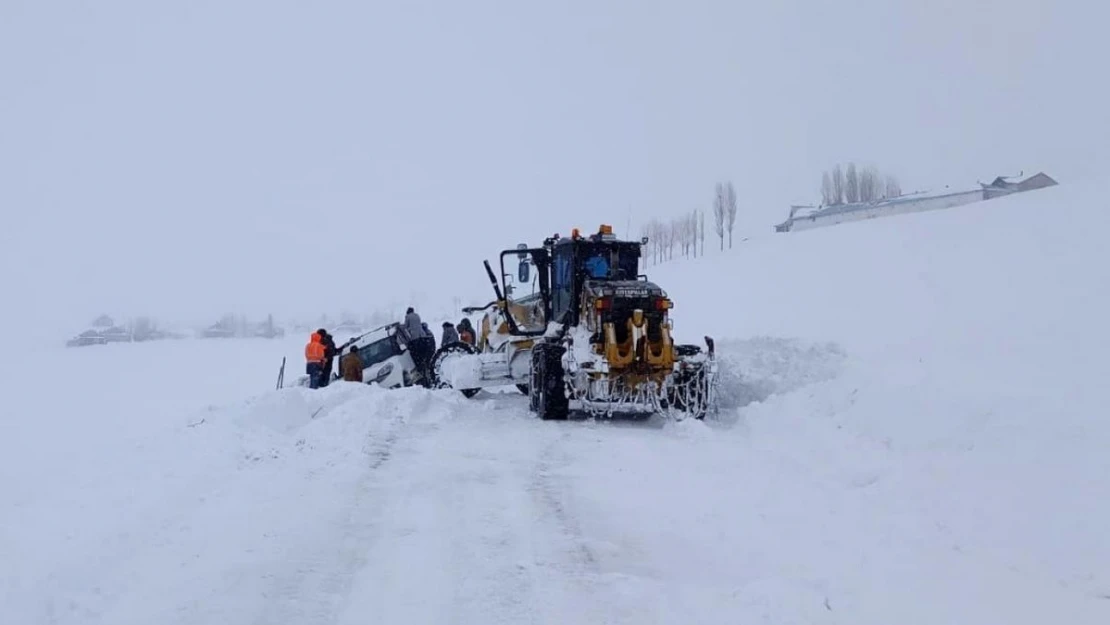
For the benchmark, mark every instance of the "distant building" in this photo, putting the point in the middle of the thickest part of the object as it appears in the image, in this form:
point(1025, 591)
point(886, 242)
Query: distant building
point(103, 322)
point(116, 334)
point(808, 210)
point(221, 330)
point(805, 217)
point(86, 338)
point(145, 329)
point(1002, 186)
point(268, 330)
point(95, 336)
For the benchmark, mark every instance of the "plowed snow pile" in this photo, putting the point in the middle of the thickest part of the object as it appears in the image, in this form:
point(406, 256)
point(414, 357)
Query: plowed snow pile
point(915, 431)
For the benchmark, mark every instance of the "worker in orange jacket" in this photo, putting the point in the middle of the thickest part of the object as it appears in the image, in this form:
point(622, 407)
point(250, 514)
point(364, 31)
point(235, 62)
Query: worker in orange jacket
point(314, 354)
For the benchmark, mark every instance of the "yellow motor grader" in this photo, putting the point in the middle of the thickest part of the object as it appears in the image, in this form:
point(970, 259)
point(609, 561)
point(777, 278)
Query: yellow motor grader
point(578, 328)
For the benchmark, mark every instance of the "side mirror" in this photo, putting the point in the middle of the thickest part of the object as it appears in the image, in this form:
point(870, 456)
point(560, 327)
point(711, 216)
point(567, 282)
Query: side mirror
point(524, 272)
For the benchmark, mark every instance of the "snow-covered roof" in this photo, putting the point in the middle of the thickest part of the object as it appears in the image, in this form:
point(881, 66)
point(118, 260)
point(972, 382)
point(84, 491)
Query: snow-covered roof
point(1038, 180)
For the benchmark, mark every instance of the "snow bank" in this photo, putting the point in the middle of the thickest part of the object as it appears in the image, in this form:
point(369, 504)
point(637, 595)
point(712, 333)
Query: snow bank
point(752, 370)
point(957, 458)
point(129, 499)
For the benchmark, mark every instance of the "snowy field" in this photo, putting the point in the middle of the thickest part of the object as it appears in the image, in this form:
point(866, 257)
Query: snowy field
point(915, 433)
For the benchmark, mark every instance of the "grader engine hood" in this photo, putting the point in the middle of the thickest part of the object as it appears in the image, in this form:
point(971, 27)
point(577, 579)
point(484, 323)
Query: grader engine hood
point(631, 324)
point(628, 293)
point(617, 300)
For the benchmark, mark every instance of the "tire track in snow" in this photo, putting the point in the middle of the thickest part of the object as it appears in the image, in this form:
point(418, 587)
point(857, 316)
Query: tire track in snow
point(315, 590)
point(448, 546)
point(577, 581)
point(474, 530)
point(551, 505)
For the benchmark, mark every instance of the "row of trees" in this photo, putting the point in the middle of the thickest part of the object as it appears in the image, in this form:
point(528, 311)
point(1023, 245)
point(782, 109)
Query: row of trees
point(852, 185)
point(686, 233)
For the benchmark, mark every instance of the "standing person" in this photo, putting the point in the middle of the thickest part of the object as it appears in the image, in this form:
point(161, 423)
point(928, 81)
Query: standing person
point(314, 359)
point(418, 344)
point(450, 335)
point(329, 356)
point(429, 341)
point(414, 327)
point(466, 331)
point(351, 366)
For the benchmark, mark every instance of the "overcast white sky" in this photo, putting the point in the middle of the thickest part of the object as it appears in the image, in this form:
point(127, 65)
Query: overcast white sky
point(186, 158)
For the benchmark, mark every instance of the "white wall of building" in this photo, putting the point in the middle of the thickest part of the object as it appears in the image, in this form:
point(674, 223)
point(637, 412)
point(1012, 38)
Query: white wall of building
point(899, 207)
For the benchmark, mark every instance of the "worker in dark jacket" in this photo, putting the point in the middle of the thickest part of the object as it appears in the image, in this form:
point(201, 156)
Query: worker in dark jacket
point(430, 338)
point(329, 356)
point(450, 335)
point(466, 331)
point(351, 365)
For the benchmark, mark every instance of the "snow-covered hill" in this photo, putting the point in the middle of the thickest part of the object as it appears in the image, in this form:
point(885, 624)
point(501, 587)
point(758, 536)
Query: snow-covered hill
point(915, 433)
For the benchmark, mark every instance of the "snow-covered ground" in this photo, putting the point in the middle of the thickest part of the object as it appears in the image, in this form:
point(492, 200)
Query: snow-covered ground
point(915, 432)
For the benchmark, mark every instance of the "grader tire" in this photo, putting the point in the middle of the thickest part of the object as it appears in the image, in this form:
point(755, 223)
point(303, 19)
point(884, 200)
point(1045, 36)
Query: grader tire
point(437, 362)
point(548, 396)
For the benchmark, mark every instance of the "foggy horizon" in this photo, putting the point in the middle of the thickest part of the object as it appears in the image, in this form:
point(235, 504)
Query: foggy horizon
point(186, 161)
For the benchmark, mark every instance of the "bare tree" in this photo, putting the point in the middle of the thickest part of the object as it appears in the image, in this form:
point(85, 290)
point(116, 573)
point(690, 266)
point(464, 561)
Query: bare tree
point(877, 192)
point(867, 185)
point(692, 225)
point(683, 236)
point(893, 189)
point(851, 184)
point(837, 185)
point(687, 235)
point(719, 208)
point(701, 230)
point(660, 240)
point(730, 208)
point(690, 232)
point(661, 232)
point(692, 222)
point(653, 234)
point(857, 185)
point(679, 235)
point(673, 232)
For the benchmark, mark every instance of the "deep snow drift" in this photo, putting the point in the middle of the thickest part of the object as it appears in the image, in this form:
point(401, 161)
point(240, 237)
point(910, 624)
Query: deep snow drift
point(915, 433)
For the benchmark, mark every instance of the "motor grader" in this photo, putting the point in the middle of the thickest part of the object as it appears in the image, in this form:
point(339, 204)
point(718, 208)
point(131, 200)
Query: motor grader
point(580, 330)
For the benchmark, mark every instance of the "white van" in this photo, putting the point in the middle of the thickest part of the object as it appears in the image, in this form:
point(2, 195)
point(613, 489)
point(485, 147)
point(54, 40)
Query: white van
point(385, 359)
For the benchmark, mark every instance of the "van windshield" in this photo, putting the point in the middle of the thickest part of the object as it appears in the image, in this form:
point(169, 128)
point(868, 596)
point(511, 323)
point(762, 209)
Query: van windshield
point(378, 351)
